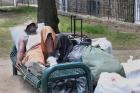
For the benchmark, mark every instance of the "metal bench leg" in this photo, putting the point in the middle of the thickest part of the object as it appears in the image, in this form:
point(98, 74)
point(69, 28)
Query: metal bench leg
point(14, 70)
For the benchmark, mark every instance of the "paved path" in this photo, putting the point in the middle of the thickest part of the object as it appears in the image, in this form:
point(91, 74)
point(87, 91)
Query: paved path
point(16, 84)
point(123, 55)
point(12, 84)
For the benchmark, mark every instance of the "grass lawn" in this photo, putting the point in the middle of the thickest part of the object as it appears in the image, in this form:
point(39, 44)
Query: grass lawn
point(119, 40)
point(10, 17)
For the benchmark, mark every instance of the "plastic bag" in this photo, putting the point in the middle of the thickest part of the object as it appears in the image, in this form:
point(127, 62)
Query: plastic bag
point(112, 83)
point(132, 68)
point(76, 54)
point(100, 61)
point(103, 44)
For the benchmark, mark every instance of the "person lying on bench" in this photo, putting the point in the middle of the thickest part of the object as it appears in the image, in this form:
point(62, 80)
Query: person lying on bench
point(40, 48)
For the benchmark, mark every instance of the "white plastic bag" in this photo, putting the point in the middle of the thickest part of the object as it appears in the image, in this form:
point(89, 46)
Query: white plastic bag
point(112, 83)
point(132, 68)
point(102, 43)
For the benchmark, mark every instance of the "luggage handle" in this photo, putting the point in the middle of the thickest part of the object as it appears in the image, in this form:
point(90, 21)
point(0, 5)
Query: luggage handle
point(73, 25)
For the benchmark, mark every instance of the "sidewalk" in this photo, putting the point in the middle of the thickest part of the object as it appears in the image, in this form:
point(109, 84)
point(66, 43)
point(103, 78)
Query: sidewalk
point(123, 55)
point(12, 84)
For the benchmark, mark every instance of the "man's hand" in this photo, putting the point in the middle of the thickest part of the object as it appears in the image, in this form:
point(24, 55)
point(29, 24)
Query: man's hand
point(18, 64)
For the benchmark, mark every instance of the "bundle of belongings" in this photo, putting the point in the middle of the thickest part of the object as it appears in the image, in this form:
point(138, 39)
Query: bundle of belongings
point(114, 83)
point(31, 47)
point(96, 54)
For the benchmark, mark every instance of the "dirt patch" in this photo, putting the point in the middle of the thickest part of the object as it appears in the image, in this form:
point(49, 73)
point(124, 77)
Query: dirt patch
point(10, 83)
point(5, 17)
point(16, 84)
point(9, 15)
point(123, 55)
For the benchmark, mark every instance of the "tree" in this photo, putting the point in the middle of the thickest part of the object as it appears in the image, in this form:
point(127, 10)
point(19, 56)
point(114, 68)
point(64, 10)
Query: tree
point(47, 13)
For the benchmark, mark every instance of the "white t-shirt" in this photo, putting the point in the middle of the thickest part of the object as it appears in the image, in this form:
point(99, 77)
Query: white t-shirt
point(33, 40)
point(18, 31)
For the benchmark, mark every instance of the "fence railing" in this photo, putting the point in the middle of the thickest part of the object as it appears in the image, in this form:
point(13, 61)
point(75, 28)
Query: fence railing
point(122, 10)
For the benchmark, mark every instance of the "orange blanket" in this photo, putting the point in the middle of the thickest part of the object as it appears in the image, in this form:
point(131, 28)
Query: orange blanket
point(38, 53)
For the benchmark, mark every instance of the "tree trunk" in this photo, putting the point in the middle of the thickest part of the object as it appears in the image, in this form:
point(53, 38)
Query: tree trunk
point(47, 13)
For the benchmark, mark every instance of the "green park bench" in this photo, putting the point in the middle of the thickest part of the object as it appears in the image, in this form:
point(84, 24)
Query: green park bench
point(50, 74)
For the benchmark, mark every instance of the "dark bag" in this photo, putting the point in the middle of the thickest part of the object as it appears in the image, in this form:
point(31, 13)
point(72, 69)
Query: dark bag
point(72, 85)
point(76, 54)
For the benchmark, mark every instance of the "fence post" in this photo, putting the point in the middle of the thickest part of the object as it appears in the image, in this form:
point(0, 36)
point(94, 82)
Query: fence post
point(1, 3)
point(134, 11)
point(76, 6)
point(109, 9)
point(14, 2)
point(28, 2)
point(66, 6)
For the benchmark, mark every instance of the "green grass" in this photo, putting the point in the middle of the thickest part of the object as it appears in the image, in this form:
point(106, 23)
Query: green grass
point(24, 9)
point(12, 17)
point(119, 40)
point(20, 15)
point(64, 26)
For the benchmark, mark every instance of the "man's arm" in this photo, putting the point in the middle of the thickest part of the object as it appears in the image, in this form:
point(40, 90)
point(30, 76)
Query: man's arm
point(21, 51)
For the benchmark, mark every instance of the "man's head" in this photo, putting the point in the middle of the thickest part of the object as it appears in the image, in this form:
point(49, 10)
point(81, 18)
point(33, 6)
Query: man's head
point(31, 29)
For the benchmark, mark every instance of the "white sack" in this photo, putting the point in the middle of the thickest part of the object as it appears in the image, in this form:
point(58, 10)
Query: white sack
point(103, 43)
point(114, 83)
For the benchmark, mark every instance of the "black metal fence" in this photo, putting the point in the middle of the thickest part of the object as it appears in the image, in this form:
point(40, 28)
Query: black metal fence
point(122, 10)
